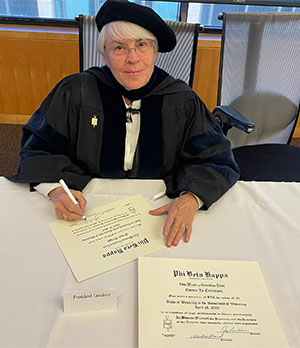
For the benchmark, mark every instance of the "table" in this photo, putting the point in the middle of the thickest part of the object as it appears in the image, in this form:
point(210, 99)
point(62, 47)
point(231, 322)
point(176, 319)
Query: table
point(253, 221)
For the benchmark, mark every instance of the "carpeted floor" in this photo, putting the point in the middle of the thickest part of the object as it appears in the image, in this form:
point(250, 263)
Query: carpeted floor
point(295, 142)
point(10, 139)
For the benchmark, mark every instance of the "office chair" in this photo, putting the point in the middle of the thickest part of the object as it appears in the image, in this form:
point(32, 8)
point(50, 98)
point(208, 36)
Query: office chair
point(180, 63)
point(259, 83)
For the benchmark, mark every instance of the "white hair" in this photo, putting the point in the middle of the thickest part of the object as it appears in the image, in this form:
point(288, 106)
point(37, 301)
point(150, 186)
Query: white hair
point(120, 30)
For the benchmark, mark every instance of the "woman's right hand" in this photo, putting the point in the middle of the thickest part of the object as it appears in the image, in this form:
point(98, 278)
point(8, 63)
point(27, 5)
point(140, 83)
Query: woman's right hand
point(64, 208)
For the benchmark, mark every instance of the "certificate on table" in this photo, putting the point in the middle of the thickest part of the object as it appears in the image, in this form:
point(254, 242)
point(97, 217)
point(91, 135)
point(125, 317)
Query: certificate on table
point(113, 235)
point(201, 303)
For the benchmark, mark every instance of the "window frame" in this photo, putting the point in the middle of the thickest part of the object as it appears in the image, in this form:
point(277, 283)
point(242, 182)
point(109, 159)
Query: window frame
point(288, 3)
point(183, 13)
point(49, 22)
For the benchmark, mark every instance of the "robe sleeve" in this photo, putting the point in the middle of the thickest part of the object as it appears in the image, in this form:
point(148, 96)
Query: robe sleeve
point(47, 151)
point(205, 166)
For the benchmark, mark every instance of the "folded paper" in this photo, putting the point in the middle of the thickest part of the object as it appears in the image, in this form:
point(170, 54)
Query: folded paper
point(86, 301)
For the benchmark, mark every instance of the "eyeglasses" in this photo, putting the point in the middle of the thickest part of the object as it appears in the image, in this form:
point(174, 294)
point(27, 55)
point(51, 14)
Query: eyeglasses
point(119, 49)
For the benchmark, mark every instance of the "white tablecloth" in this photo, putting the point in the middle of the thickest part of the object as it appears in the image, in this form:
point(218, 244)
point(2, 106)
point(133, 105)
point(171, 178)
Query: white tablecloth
point(253, 221)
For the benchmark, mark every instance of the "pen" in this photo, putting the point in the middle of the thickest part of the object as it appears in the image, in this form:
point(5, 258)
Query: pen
point(69, 193)
point(158, 195)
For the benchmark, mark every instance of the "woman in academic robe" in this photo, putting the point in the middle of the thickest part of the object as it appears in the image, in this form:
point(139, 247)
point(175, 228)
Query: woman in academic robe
point(128, 119)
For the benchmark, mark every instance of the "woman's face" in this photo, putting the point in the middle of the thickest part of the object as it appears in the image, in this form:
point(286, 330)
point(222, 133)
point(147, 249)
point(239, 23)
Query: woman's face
point(130, 61)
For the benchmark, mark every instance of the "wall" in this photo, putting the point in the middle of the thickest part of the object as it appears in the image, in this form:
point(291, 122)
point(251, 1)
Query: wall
point(207, 69)
point(33, 59)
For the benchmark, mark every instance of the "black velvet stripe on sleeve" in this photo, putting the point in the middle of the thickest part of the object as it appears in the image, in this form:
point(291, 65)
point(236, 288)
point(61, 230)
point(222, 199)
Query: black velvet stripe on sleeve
point(211, 149)
point(39, 135)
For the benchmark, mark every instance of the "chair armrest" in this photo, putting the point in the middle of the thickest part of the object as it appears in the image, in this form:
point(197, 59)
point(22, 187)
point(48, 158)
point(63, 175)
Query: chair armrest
point(226, 115)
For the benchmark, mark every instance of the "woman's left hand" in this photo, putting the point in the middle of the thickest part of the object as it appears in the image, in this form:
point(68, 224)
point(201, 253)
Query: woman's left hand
point(181, 213)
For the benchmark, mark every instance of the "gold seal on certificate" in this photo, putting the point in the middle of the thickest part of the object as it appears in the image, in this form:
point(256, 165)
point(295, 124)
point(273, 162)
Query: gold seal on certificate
point(201, 303)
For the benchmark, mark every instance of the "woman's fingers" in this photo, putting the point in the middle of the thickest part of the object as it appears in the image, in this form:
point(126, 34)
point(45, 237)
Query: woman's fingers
point(161, 210)
point(178, 229)
point(180, 217)
point(62, 212)
point(80, 199)
point(64, 207)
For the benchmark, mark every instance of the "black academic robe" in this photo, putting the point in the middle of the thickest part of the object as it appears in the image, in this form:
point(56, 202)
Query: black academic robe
point(78, 133)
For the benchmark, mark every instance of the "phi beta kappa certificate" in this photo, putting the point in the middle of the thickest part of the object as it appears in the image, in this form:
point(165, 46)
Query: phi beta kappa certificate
point(113, 235)
point(199, 303)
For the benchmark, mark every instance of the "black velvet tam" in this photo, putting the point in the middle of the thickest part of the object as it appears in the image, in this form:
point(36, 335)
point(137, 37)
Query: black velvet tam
point(147, 18)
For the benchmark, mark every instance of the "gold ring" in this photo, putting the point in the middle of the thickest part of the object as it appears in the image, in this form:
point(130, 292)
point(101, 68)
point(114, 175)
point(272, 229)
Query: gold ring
point(185, 226)
point(65, 217)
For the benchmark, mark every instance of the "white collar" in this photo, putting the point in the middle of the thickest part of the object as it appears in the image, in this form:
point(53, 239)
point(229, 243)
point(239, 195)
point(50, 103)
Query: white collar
point(135, 104)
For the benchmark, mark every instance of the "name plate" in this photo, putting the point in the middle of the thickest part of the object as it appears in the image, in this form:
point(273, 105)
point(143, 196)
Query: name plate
point(86, 301)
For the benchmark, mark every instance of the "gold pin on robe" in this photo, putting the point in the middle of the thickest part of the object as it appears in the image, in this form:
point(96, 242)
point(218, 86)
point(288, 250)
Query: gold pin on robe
point(94, 121)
